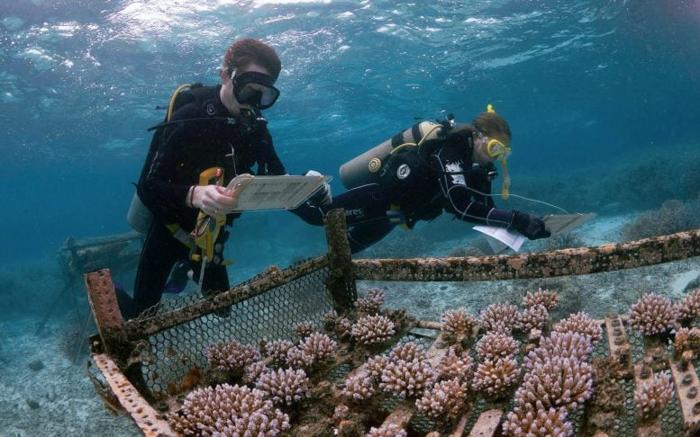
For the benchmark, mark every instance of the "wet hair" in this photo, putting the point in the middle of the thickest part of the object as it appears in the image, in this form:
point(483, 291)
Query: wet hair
point(248, 51)
point(494, 126)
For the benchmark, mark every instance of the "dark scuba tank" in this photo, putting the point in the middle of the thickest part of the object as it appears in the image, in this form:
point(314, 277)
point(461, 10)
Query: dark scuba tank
point(364, 169)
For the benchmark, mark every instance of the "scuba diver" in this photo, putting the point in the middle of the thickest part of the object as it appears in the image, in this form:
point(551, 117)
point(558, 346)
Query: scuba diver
point(210, 135)
point(423, 171)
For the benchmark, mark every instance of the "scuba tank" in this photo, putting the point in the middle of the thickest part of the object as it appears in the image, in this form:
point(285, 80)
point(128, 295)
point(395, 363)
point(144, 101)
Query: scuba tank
point(365, 168)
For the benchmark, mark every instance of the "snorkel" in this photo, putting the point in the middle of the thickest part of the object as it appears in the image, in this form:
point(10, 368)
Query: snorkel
point(496, 149)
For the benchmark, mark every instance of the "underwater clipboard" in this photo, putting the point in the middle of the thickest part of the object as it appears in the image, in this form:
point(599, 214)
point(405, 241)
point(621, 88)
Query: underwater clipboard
point(260, 193)
point(562, 223)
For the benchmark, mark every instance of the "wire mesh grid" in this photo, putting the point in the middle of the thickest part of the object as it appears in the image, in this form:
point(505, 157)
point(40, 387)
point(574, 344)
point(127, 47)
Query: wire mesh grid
point(271, 315)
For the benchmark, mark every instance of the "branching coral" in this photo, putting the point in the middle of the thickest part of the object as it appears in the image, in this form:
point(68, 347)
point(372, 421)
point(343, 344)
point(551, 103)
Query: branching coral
point(253, 371)
point(343, 328)
point(525, 421)
point(232, 356)
point(566, 345)
point(358, 388)
point(500, 317)
point(686, 339)
point(284, 386)
point(371, 303)
point(458, 325)
point(304, 329)
point(580, 323)
point(390, 430)
point(558, 382)
point(373, 329)
point(541, 297)
point(229, 410)
point(445, 400)
point(376, 365)
point(652, 314)
point(407, 351)
point(689, 307)
point(534, 317)
point(652, 396)
point(406, 378)
point(495, 345)
point(313, 350)
point(496, 377)
point(454, 365)
point(277, 351)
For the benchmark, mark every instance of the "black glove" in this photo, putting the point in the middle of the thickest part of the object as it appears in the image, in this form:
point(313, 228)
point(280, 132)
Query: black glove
point(529, 225)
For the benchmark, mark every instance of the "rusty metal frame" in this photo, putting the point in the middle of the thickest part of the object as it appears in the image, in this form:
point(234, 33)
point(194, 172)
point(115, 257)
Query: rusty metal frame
point(564, 262)
point(618, 344)
point(687, 385)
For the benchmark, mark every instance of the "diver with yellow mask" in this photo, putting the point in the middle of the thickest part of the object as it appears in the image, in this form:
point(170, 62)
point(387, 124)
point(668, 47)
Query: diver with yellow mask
point(427, 169)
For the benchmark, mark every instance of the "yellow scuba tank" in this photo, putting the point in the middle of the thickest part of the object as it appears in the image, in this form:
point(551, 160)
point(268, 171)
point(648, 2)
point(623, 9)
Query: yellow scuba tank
point(364, 168)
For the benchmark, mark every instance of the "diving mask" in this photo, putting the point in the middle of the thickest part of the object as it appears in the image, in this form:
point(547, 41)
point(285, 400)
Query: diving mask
point(495, 149)
point(254, 89)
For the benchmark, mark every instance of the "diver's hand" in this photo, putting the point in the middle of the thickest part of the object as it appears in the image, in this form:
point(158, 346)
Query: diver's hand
point(213, 199)
point(322, 196)
point(529, 225)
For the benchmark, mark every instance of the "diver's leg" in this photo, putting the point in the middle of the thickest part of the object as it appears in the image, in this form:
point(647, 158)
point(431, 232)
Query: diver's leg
point(364, 235)
point(159, 254)
point(353, 201)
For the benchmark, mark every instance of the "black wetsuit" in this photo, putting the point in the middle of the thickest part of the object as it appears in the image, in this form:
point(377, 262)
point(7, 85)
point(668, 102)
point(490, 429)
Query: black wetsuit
point(418, 185)
point(208, 136)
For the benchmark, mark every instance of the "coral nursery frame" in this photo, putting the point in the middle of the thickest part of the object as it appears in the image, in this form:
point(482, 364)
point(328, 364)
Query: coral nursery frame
point(136, 364)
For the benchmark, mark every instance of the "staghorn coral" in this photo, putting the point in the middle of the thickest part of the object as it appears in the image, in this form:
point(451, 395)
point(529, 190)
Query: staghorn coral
point(499, 317)
point(580, 323)
point(526, 421)
point(689, 307)
point(304, 329)
point(284, 386)
point(358, 388)
point(534, 317)
point(228, 410)
point(446, 399)
point(406, 378)
point(495, 345)
point(373, 329)
point(454, 365)
point(376, 365)
point(567, 345)
point(297, 359)
point(231, 356)
point(652, 314)
point(558, 382)
point(458, 325)
point(253, 371)
point(313, 350)
point(496, 377)
point(277, 351)
point(407, 351)
point(371, 303)
point(390, 430)
point(652, 396)
point(541, 297)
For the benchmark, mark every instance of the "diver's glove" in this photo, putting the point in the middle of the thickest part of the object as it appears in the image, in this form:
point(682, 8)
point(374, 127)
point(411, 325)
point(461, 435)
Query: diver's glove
point(323, 196)
point(529, 225)
point(211, 199)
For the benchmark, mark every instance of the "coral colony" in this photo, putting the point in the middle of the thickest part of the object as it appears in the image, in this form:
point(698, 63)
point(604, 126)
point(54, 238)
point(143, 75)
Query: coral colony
point(542, 373)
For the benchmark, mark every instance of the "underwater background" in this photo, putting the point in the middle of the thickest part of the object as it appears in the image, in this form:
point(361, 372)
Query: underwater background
point(602, 97)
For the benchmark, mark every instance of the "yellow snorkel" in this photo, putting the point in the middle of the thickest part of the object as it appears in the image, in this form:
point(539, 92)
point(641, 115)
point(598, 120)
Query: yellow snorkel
point(495, 149)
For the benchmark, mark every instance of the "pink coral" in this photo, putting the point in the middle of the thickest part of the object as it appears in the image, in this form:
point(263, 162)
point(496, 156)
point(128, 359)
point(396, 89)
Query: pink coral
point(447, 399)
point(652, 314)
point(253, 371)
point(686, 339)
point(689, 307)
point(228, 410)
point(358, 388)
point(496, 377)
point(390, 430)
point(373, 329)
point(458, 325)
point(533, 317)
point(277, 350)
point(343, 327)
point(580, 323)
point(456, 365)
point(407, 351)
point(558, 382)
point(567, 345)
point(376, 365)
point(303, 329)
point(495, 345)
point(500, 317)
point(541, 297)
point(525, 421)
point(371, 303)
point(284, 386)
point(652, 396)
point(313, 350)
point(407, 378)
point(232, 356)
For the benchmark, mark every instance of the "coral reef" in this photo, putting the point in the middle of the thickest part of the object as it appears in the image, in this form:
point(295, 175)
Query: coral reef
point(496, 377)
point(541, 297)
point(407, 351)
point(533, 317)
point(445, 399)
point(458, 325)
point(651, 396)
point(652, 314)
point(686, 339)
point(496, 345)
point(526, 421)
point(456, 365)
point(277, 351)
point(390, 430)
point(558, 382)
point(376, 365)
point(567, 345)
point(500, 317)
point(580, 323)
point(406, 378)
point(229, 410)
point(284, 386)
point(373, 329)
point(688, 308)
point(231, 356)
point(304, 329)
point(312, 351)
point(358, 388)
point(253, 371)
point(673, 216)
point(371, 303)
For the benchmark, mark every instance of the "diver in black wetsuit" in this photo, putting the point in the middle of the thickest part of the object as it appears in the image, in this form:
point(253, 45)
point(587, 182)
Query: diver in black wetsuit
point(451, 170)
point(211, 127)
